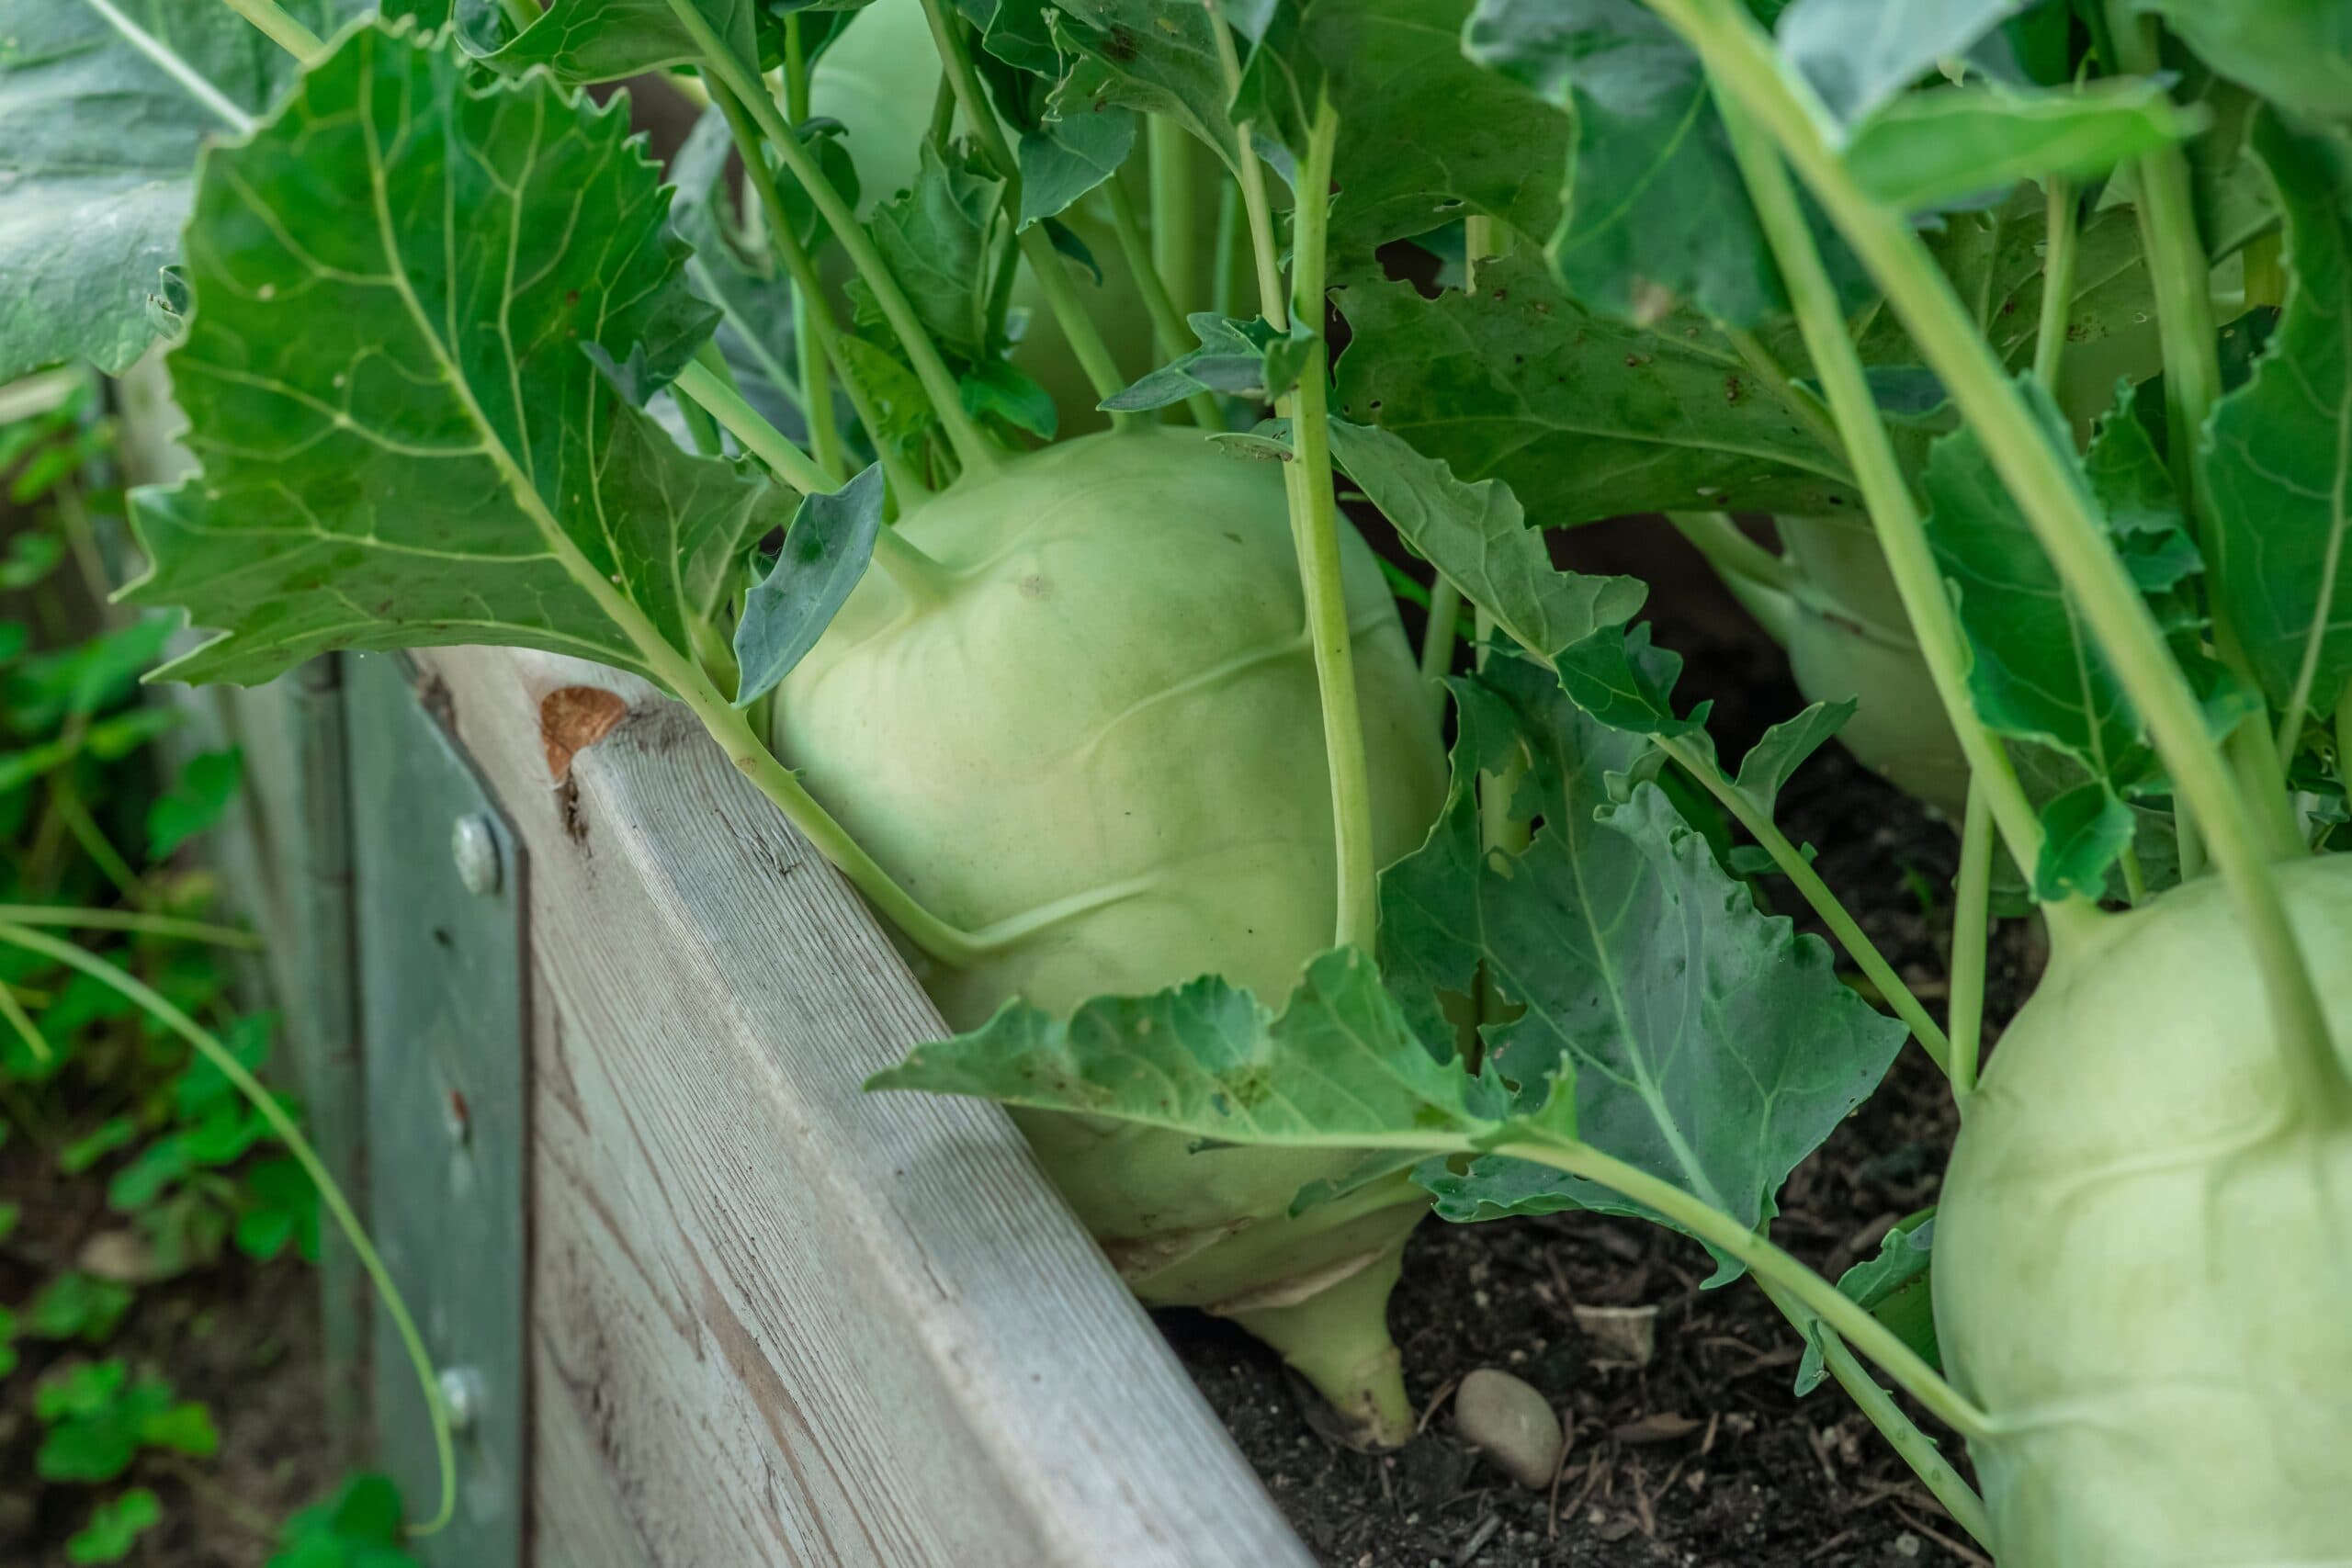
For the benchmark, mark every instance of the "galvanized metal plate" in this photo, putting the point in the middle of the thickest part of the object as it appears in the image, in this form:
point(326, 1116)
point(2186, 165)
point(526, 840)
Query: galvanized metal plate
point(439, 877)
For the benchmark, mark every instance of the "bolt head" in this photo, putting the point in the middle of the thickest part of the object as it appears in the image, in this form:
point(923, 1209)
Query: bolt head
point(462, 1396)
point(474, 847)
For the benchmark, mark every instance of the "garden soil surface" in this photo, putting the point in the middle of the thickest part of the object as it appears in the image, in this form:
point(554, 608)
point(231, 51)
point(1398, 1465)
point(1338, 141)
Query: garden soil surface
point(243, 1338)
point(1703, 1457)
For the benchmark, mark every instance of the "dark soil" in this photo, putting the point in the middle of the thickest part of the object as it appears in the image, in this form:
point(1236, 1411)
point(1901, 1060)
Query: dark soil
point(241, 1337)
point(1704, 1458)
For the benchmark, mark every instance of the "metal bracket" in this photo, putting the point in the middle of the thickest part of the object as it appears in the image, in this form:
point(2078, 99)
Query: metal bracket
point(439, 877)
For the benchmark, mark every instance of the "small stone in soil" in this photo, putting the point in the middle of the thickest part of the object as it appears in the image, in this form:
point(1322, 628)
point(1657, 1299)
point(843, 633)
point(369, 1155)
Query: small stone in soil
point(1621, 1333)
point(1511, 1424)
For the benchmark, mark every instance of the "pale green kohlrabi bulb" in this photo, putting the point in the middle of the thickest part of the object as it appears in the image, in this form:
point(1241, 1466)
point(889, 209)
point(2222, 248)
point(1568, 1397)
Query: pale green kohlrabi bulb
point(1848, 638)
point(2142, 1271)
point(1107, 730)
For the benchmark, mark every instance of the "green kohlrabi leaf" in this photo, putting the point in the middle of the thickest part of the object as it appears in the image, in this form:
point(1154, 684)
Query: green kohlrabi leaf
point(2084, 832)
point(1158, 56)
point(1927, 149)
point(603, 41)
point(2037, 673)
point(1339, 1067)
point(1711, 1046)
point(935, 239)
point(98, 142)
point(2298, 53)
point(1584, 417)
point(1894, 1287)
point(1860, 54)
point(825, 552)
point(1061, 160)
point(2279, 466)
point(998, 387)
point(403, 440)
point(1774, 760)
point(1994, 258)
point(1426, 136)
point(1477, 537)
point(757, 303)
point(1656, 209)
point(1243, 359)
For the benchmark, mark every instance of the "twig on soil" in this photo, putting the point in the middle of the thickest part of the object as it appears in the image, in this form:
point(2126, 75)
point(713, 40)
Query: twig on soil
point(1429, 1411)
point(1643, 1514)
point(1560, 1469)
point(1964, 1553)
point(1478, 1542)
point(1832, 1544)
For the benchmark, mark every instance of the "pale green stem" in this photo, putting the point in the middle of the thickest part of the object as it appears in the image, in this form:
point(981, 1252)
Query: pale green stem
point(1228, 235)
point(917, 575)
point(1770, 1265)
point(1315, 528)
point(1166, 326)
point(1903, 1435)
point(1046, 264)
point(813, 373)
point(1251, 173)
point(2181, 277)
point(1175, 202)
point(284, 31)
point(812, 310)
point(1886, 494)
point(1438, 637)
point(165, 926)
point(972, 447)
point(225, 1062)
point(2063, 224)
point(2266, 271)
point(1972, 931)
point(2344, 739)
point(1477, 245)
point(1729, 549)
point(1816, 894)
point(2048, 489)
point(763, 440)
point(191, 80)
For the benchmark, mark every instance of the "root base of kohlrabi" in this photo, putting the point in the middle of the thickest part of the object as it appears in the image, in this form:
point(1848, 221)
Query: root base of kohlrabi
point(1337, 1338)
point(2143, 1263)
point(1110, 711)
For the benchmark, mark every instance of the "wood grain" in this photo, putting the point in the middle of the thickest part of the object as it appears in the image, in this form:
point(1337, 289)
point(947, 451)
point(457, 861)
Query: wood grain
point(778, 1320)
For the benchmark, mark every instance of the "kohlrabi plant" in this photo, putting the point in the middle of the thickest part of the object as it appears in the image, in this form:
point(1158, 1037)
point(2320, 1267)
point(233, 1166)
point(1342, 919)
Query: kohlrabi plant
point(2026, 321)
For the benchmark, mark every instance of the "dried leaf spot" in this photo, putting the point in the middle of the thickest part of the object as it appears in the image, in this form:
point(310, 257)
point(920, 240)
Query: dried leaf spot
point(1036, 586)
point(572, 719)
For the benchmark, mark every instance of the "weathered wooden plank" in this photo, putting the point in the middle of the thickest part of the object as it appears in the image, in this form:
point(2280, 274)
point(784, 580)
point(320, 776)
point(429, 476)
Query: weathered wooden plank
point(779, 1320)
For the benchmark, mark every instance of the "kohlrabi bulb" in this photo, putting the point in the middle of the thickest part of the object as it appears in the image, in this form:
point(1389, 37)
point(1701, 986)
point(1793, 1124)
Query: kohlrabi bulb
point(1104, 734)
point(1850, 638)
point(2141, 1269)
